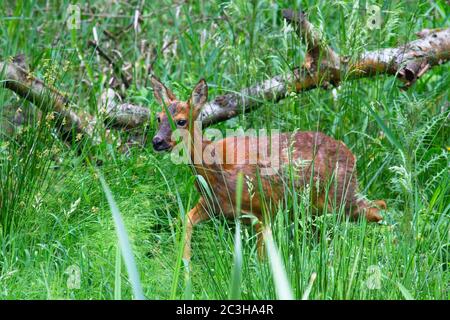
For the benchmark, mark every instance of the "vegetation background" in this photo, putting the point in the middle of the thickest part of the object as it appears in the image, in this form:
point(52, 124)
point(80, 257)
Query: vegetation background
point(57, 237)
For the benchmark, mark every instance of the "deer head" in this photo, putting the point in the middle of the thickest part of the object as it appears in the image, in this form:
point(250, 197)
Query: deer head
point(183, 114)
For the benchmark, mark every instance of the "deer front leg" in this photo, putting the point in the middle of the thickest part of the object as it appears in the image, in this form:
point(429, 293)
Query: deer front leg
point(195, 215)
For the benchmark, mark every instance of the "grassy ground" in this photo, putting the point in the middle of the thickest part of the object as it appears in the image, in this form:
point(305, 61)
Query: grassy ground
point(56, 223)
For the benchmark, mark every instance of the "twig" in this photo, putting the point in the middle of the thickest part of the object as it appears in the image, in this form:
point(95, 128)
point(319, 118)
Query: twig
point(322, 66)
point(116, 67)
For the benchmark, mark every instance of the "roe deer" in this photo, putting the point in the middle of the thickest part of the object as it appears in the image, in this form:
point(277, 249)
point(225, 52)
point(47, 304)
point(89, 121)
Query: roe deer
point(325, 159)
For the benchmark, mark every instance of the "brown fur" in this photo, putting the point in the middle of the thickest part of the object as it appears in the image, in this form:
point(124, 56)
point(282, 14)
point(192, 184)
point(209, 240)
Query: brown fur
point(326, 166)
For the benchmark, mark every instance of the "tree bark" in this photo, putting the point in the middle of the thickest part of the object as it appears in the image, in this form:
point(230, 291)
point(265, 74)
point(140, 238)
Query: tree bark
point(17, 78)
point(322, 68)
point(69, 123)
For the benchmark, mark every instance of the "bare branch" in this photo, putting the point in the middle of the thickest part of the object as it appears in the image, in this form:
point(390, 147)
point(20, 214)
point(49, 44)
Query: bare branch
point(45, 97)
point(69, 123)
point(322, 67)
point(407, 62)
point(317, 48)
point(114, 64)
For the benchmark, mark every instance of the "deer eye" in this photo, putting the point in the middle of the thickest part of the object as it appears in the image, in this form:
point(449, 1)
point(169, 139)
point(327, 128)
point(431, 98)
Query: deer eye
point(181, 123)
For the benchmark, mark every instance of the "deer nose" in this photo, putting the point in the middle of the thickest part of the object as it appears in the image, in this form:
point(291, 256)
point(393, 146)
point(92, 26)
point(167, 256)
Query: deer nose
point(157, 141)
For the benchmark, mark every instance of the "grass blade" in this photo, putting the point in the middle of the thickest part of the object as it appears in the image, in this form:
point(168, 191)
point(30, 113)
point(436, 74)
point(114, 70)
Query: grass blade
point(187, 295)
point(124, 243)
point(117, 278)
point(406, 294)
point(283, 289)
point(236, 275)
point(389, 134)
point(309, 287)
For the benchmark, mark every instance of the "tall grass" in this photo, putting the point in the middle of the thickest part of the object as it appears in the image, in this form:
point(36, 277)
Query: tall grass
point(124, 244)
point(54, 216)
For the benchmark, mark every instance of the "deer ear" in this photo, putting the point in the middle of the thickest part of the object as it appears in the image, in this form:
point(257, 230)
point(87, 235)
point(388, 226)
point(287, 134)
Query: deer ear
point(199, 95)
point(162, 94)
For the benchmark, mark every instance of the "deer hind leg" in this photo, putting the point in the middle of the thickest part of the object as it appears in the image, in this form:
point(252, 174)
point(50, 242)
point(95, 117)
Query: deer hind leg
point(195, 216)
point(369, 209)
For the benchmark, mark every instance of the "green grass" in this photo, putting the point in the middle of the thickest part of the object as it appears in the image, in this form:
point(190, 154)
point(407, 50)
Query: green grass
point(55, 218)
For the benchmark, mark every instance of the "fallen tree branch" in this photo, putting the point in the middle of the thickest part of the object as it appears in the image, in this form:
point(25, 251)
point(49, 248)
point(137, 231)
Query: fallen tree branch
point(322, 68)
point(122, 115)
point(17, 78)
point(116, 66)
point(317, 49)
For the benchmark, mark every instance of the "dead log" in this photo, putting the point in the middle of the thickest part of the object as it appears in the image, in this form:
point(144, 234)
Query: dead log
point(69, 123)
point(17, 78)
point(322, 68)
